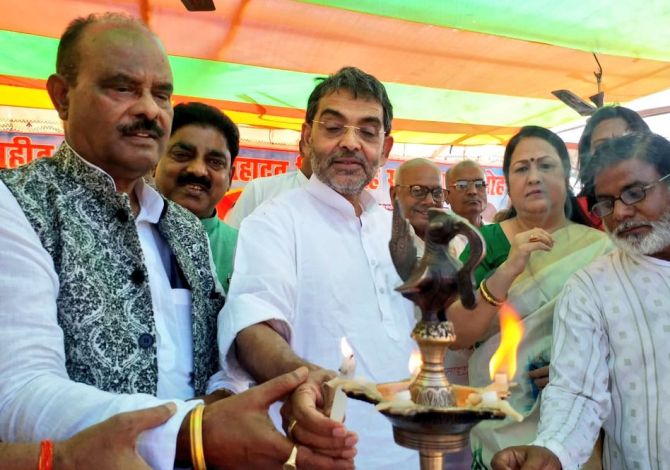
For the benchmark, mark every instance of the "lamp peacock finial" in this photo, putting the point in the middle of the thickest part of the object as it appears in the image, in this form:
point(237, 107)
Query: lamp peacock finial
point(434, 281)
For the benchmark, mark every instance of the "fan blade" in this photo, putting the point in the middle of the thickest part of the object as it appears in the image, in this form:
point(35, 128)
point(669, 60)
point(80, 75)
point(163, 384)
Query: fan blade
point(598, 99)
point(199, 5)
point(575, 102)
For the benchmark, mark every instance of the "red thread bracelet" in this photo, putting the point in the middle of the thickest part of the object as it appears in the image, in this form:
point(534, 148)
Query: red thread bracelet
point(46, 455)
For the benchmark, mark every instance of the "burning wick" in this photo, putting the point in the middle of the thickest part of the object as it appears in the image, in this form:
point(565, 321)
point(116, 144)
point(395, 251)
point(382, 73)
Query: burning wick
point(347, 371)
point(500, 384)
point(415, 363)
point(501, 380)
point(414, 366)
point(348, 364)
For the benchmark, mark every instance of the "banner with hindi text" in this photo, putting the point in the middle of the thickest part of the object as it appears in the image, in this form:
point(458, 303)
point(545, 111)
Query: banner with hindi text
point(18, 149)
point(254, 162)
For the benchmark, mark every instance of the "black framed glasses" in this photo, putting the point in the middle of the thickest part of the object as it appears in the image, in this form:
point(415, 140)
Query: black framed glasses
point(629, 196)
point(418, 191)
point(463, 185)
point(369, 133)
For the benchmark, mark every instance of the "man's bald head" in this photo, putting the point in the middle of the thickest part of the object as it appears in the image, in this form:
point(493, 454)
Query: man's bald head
point(454, 173)
point(68, 57)
point(415, 165)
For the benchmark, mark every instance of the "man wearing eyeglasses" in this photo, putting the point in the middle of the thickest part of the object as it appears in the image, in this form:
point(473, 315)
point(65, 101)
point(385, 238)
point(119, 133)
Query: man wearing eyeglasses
point(610, 364)
point(313, 266)
point(418, 187)
point(466, 191)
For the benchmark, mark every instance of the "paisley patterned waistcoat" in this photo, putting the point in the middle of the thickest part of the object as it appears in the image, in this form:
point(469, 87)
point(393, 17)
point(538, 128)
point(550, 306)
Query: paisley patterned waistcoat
point(104, 301)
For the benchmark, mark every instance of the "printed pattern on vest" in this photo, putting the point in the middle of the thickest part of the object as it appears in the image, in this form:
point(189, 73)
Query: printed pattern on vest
point(104, 301)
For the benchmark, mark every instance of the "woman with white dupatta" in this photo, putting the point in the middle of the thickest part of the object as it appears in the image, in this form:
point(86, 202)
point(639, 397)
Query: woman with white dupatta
point(544, 239)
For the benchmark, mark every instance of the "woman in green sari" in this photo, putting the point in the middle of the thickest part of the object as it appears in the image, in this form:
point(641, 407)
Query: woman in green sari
point(529, 256)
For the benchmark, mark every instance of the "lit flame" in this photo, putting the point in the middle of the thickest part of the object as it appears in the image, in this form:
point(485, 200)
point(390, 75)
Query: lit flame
point(348, 364)
point(415, 363)
point(346, 348)
point(511, 332)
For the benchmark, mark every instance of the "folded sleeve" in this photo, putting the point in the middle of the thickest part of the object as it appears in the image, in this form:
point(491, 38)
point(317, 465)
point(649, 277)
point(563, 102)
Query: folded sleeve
point(264, 286)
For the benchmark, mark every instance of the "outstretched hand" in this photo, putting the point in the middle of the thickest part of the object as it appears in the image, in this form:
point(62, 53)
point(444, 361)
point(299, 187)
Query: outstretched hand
point(312, 427)
point(111, 444)
point(525, 458)
point(238, 434)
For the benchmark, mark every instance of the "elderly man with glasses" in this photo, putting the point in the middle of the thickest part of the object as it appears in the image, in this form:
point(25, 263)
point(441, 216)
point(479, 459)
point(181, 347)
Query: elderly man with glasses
point(418, 187)
point(466, 191)
point(610, 353)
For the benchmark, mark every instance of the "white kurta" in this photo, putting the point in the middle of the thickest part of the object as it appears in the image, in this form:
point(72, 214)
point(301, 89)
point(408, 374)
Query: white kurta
point(257, 191)
point(37, 398)
point(611, 365)
point(317, 272)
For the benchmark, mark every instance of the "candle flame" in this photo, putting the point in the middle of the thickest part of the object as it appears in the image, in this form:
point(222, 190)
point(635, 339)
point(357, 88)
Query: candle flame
point(415, 363)
point(345, 347)
point(511, 332)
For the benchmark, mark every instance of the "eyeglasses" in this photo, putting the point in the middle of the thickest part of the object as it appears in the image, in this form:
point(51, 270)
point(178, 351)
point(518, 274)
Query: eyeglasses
point(369, 133)
point(629, 196)
point(419, 192)
point(463, 185)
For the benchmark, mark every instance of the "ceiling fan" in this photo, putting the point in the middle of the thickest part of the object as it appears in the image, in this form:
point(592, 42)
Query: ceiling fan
point(199, 5)
point(584, 108)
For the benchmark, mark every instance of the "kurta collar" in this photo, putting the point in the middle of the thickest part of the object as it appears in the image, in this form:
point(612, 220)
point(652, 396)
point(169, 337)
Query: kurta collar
point(332, 198)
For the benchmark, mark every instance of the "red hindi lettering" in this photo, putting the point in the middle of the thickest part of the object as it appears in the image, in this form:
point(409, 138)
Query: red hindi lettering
point(20, 151)
point(3, 154)
point(390, 176)
point(374, 183)
point(244, 169)
point(43, 150)
point(495, 183)
point(267, 167)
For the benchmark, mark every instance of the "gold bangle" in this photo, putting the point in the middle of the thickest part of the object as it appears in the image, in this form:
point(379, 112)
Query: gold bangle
point(486, 294)
point(197, 450)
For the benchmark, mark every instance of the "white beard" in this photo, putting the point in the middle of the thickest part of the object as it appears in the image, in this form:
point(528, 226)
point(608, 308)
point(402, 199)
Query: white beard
point(654, 241)
point(353, 182)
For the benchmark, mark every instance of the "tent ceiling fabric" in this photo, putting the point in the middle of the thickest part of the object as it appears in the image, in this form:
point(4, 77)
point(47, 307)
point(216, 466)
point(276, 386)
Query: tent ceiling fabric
point(458, 72)
point(616, 28)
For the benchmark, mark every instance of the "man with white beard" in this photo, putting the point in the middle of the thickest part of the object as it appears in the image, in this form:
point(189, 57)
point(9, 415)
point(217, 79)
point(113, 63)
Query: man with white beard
point(610, 364)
